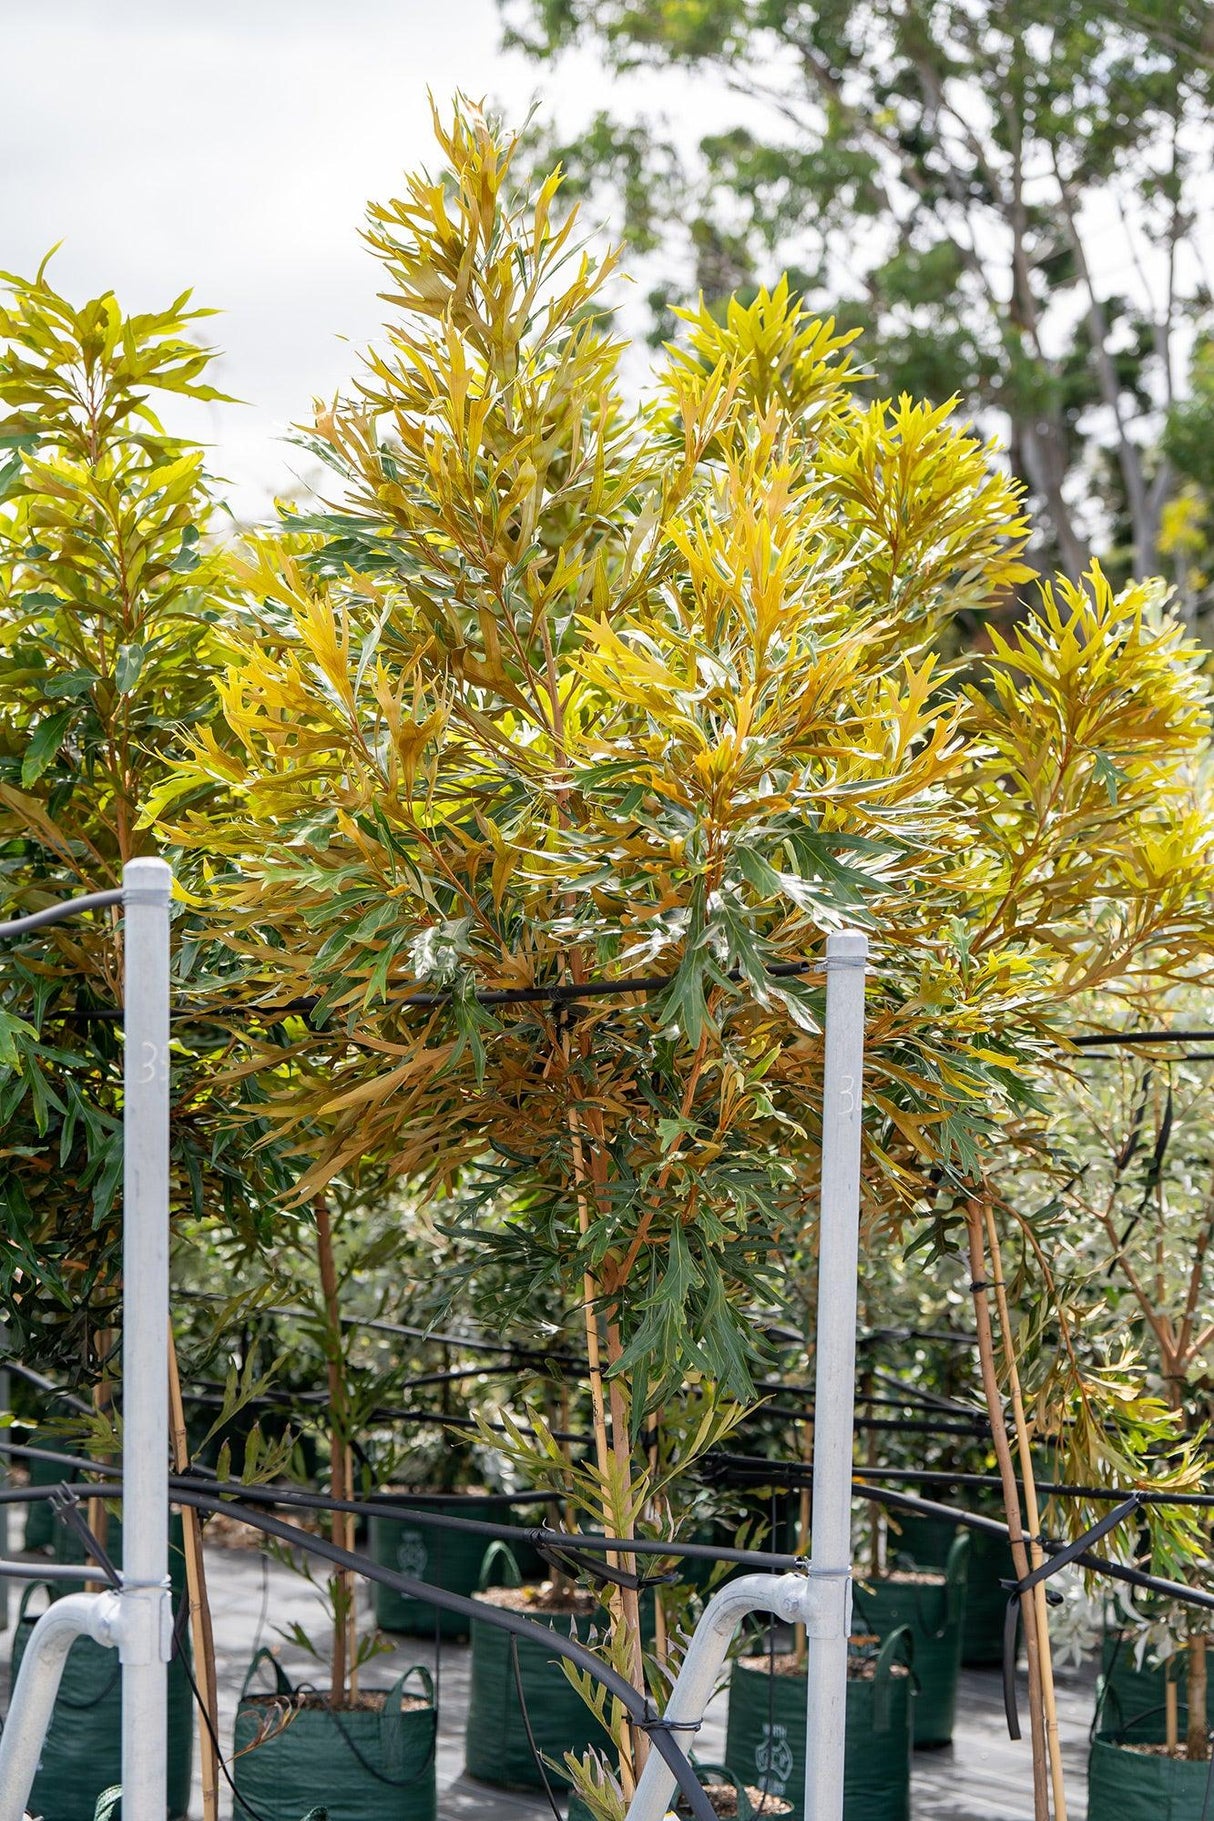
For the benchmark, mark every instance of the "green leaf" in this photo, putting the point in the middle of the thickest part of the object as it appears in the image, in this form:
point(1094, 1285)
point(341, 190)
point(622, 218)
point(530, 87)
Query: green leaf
point(187, 558)
point(130, 663)
point(72, 683)
point(44, 746)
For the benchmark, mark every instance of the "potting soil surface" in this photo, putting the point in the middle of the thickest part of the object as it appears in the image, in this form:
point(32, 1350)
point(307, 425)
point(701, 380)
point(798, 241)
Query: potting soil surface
point(981, 1776)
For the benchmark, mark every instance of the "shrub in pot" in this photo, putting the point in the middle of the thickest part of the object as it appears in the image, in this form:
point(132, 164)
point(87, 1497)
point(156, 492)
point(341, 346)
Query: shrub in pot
point(765, 1734)
point(1128, 1782)
point(370, 1760)
point(1132, 1696)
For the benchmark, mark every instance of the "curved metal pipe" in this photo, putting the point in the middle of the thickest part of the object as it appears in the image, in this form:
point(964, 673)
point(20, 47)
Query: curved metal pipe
point(77, 1615)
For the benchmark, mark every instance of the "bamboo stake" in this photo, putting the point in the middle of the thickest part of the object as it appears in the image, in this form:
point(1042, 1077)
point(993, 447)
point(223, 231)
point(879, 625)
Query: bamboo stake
point(343, 1580)
point(1171, 1717)
point(1033, 1516)
point(1011, 1500)
point(200, 1606)
point(630, 1599)
point(598, 1423)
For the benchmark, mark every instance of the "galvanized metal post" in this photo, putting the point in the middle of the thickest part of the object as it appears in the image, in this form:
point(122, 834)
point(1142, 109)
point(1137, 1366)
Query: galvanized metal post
point(834, 1387)
point(145, 1631)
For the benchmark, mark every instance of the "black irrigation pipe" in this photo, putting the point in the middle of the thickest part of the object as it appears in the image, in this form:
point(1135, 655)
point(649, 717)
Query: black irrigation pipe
point(286, 1400)
point(1097, 1039)
point(59, 913)
point(40, 1383)
point(560, 992)
point(791, 1476)
point(475, 1343)
point(239, 1500)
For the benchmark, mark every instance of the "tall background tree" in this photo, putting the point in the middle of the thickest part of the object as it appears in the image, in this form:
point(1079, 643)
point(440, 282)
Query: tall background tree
point(1012, 199)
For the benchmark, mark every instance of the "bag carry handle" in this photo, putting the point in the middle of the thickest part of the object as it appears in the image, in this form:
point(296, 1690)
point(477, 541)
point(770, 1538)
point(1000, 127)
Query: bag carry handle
point(955, 1574)
point(392, 1718)
point(725, 1775)
point(499, 1553)
point(899, 1645)
point(266, 1655)
point(31, 1588)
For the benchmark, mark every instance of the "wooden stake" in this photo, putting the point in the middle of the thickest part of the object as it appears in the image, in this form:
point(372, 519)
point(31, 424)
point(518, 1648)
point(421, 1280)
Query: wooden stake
point(339, 1457)
point(1171, 1716)
point(1011, 1500)
point(201, 1633)
point(1197, 1739)
point(1033, 1516)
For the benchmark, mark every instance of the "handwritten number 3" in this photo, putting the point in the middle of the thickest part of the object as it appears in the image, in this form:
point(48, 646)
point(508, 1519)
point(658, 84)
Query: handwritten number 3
point(847, 1097)
point(153, 1066)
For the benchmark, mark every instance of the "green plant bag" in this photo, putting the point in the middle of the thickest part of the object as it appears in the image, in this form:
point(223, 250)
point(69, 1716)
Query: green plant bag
point(39, 1519)
point(765, 1735)
point(363, 1765)
point(496, 1744)
point(1128, 1785)
point(82, 1755)
point(927, 1541)
point(1131, 1702)
point(446, 1558)
point(935, 1614)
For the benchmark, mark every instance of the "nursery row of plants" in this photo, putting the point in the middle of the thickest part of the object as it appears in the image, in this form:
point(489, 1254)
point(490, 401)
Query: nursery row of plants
point(513, 783)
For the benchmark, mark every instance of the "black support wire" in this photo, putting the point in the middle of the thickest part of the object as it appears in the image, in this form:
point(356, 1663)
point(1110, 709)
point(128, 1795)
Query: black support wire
point(559, 992)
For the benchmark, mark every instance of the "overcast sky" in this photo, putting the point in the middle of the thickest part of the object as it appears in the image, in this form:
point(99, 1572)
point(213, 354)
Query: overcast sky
point(231, 145)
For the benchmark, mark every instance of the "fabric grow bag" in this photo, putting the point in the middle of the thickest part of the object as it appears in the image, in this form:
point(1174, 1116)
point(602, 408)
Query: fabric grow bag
point(362, 1764)
point(82, 1754)
point(1125, 1785)
point(765, 1734)
point(934, 1612)
point(1131, 1702)
point(447, 1558)
point(39, 1519)
point(927, 1541)
point(497, 1749)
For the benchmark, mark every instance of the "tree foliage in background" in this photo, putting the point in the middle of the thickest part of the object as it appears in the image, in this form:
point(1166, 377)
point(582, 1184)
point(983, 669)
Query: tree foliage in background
point(109, 595)
point(1013, 200)
point(560, 691)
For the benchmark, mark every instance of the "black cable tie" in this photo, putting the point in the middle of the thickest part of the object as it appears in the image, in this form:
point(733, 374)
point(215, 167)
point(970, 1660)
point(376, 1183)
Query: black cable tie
point(63, 1501)
point(977, 1285)
point(1018, 1589)
point(661, 1724)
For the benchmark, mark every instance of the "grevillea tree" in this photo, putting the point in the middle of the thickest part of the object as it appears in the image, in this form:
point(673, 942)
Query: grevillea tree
point(561, 692)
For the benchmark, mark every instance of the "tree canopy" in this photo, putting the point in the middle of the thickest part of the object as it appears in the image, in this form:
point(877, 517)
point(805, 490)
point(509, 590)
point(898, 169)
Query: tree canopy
point(1011, 198)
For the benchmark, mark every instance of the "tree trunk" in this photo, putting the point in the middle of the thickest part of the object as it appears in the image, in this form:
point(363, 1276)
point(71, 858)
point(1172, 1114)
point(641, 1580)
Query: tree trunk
point(1197, 1739)
point(343, 1680)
